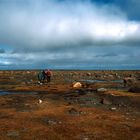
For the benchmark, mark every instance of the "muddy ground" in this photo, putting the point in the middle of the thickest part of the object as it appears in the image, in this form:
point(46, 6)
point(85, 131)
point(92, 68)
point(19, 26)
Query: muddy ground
point(57, 111)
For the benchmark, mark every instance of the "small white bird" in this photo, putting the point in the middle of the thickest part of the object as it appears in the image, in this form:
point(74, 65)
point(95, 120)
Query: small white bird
point(40, 101)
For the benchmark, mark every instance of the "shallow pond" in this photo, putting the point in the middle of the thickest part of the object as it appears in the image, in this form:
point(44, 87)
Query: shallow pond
point(9, 92)
point(102, 81)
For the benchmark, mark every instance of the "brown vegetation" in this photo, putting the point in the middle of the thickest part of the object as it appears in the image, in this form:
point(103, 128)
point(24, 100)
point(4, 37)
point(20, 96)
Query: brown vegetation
point(67, 113)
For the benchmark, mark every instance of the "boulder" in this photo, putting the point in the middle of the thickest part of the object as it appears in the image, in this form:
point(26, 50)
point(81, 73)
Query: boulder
point(28, 72)
point(88, 74)
point(105, 102)
point(77, 85)
point(135, 89)
point(129, 81)
point(40, 101)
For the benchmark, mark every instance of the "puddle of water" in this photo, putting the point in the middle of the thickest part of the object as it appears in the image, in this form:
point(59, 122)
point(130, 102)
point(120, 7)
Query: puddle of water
point(4, 92)
point(101, 81)
point(93, 81)
point(8, 92)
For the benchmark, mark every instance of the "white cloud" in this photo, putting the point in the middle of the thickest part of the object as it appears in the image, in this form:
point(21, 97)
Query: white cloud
point(52, 24)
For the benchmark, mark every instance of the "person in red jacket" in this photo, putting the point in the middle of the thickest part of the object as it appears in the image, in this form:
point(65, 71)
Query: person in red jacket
point(48, 75)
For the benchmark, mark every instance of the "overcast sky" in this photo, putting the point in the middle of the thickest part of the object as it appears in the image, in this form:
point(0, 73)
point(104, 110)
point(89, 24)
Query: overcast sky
point(70, 34)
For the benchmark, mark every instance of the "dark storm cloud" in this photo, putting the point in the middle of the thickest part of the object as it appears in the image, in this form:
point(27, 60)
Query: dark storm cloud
point(80, 58)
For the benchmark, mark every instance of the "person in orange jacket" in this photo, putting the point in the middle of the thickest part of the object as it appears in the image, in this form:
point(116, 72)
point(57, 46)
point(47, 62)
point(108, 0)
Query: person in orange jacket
point(48, 74)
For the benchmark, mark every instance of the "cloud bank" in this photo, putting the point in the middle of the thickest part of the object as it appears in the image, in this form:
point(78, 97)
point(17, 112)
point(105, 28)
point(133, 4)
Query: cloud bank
point(56, 29)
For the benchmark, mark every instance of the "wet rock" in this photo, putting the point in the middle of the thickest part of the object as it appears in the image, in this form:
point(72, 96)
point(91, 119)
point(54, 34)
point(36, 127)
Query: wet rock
point(135, 89)
point(13, 134)
point(102, 90)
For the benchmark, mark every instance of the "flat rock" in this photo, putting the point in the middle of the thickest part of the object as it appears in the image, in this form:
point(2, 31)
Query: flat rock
point(113, 108)
point(101, 90)
point(50, 121)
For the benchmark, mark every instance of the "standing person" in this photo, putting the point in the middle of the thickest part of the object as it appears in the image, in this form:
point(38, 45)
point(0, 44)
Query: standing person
point(48, 74)
point(41, 76)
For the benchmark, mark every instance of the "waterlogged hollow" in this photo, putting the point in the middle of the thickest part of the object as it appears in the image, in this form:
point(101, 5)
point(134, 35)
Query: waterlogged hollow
point(101, 81)
point(16, 92)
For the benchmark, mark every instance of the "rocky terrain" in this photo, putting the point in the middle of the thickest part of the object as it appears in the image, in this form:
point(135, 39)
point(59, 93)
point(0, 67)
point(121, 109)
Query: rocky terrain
point(76, 105)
